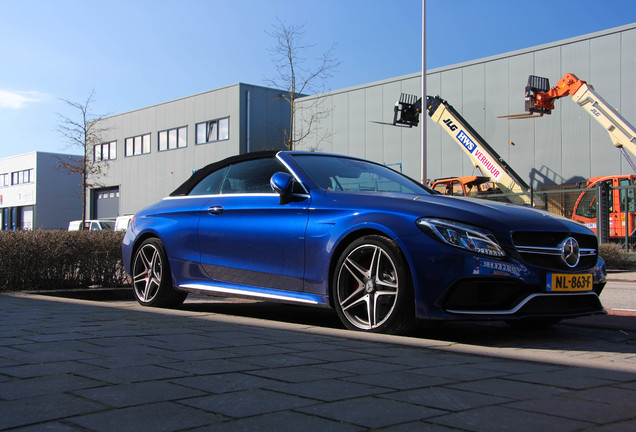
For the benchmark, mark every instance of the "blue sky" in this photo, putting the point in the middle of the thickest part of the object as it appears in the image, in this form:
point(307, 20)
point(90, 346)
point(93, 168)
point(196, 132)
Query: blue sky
point(137, 53)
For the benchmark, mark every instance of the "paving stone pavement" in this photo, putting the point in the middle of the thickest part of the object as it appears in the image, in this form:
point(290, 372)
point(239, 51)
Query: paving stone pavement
point(77, 365)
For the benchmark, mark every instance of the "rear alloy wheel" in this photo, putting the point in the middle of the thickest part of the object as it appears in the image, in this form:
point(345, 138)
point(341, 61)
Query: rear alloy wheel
point(372, 287)
point(152, 283)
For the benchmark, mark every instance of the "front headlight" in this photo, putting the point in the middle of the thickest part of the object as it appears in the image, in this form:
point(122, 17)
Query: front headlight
point(460, 235)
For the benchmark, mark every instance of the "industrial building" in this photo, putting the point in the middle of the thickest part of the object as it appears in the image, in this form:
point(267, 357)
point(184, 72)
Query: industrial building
point(35, 194)
point(150, 151)
point(565, 147)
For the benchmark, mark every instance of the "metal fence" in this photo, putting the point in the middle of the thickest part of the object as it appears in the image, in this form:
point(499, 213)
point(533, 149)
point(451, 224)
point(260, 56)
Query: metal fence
point(608, 211)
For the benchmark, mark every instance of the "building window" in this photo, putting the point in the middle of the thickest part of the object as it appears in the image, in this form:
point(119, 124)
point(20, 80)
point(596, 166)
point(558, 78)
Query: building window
point(106, 151)
point(21, 177)
point(137, 145)
point(106, 195)
point(213, 130)
point(173, 138)
point(5, 180)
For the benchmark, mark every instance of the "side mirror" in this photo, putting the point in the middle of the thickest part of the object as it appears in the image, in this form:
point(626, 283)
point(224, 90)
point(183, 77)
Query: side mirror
point(282, 183)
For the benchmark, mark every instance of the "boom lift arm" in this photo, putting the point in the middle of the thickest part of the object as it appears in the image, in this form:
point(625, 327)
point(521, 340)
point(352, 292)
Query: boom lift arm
point(539, 98)
point(480, 153)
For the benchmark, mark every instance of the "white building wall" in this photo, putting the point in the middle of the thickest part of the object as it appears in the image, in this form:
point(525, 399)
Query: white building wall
point(22, 194)
point(48, 201)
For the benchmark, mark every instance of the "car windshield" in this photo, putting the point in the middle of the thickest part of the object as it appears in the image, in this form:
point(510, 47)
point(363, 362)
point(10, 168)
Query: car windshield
point(344, 174)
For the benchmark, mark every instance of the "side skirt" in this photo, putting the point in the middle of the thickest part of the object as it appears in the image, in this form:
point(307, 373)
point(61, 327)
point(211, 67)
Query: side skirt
point(261, 293)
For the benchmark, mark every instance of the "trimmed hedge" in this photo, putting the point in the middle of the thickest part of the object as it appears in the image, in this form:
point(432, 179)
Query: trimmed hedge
point(615, 257)
point(42, 260)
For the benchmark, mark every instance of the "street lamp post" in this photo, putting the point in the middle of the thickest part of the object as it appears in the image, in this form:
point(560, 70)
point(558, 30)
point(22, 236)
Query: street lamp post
point(423, 122)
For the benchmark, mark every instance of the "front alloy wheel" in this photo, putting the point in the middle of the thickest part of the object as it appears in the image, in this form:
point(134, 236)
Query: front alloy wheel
point(151, 276)
point(372, 287)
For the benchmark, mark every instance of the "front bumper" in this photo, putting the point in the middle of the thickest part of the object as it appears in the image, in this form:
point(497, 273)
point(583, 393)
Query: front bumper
point(492, 299)
point(478, 288)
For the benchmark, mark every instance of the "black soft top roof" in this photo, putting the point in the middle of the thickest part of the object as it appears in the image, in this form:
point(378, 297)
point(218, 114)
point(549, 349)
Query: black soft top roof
point(199, 175)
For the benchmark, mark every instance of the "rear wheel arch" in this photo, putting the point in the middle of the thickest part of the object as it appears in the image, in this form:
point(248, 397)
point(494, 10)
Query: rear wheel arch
point(139, 241)
point(151, 276)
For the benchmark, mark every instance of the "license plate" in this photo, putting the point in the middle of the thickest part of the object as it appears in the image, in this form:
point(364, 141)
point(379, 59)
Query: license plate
point(569, 282)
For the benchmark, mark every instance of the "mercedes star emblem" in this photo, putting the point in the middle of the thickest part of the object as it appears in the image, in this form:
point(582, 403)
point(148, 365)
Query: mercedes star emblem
point(570, 252)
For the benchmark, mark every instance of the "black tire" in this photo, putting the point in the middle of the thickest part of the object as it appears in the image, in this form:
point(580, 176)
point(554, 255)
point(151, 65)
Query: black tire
point(372, 287)
point(152, 281)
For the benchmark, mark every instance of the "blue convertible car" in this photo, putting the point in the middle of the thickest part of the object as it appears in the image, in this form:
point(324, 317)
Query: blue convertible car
point(356, 236)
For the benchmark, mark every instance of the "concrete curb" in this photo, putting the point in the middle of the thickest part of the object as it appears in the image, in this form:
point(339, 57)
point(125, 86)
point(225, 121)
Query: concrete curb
point(617, 319)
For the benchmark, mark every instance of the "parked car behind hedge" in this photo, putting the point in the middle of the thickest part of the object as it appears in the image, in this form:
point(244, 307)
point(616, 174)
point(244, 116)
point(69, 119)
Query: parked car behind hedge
point(92, 225)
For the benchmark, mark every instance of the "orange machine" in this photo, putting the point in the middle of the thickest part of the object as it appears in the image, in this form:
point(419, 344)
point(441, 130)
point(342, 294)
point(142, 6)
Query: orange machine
point(620, 205)
point(539, 99)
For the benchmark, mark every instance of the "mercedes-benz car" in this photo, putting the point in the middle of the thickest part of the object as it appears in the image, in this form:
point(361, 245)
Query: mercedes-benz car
point(345, 233)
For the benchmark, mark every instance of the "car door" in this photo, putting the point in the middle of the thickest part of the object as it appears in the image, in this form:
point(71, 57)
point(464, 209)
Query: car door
point(247, 237)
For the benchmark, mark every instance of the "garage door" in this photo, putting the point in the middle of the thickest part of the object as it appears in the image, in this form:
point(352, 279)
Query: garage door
point(106, 203)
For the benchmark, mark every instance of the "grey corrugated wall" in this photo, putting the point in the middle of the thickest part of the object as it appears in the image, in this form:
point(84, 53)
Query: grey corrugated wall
point(565, 147)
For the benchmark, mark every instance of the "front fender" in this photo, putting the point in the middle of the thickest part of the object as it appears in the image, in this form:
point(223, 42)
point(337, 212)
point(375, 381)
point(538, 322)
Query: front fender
point(329, 232)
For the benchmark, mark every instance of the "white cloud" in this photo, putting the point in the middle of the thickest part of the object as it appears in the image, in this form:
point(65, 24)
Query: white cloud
point(18, 99)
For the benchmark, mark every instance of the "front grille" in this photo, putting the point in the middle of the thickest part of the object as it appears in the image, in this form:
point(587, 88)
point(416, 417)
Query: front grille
point(543, 249)
point(541, 238)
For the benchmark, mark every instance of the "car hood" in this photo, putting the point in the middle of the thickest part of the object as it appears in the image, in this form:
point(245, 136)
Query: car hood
point(497, 217)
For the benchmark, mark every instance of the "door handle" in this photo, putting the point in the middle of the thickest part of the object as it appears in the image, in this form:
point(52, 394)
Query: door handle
point(215, 210)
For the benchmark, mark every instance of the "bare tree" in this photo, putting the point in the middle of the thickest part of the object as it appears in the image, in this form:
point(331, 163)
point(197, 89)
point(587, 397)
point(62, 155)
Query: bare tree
point(83, 132)
point(297, 77)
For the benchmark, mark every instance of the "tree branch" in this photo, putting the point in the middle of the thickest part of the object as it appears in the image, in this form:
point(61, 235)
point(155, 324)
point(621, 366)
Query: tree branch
point(82, 132)
point(292, 75)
